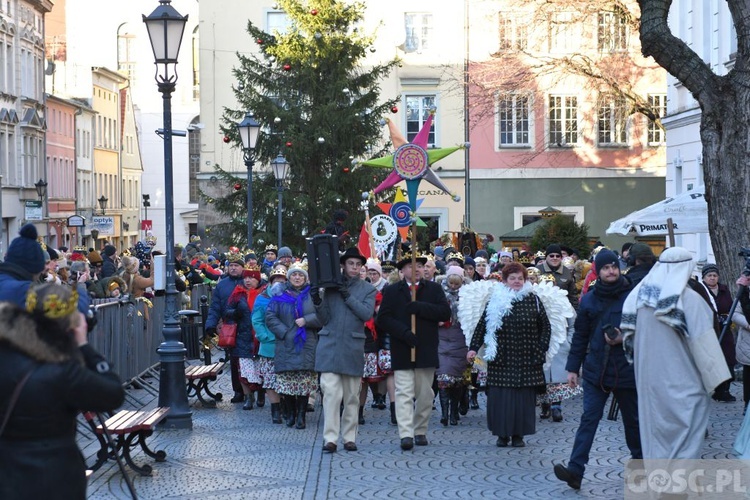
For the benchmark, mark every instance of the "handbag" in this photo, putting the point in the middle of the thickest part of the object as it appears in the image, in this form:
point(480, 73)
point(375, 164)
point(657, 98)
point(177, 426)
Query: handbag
point(14, 398)
point(227, 335)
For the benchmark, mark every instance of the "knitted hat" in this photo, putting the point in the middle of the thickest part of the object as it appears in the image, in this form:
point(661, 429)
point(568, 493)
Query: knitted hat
point(113, 285)
point(109, 250)
point(555, 248)
point(285, 252)
point(482, 253)
point(709, 268)
point(25, 251)
point(454, 270)
point(250, 255)
point(469, 262)
point(297, 269)
point(374, 265)
point(604, 257)
point(131, 264)
point(439, 251)
point(642, 251)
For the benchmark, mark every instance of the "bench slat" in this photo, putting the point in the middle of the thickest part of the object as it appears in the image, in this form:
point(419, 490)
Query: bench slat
point(203, 371)
point(126, 421)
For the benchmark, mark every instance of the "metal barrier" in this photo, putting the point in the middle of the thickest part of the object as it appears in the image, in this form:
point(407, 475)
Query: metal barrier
point(128, 333)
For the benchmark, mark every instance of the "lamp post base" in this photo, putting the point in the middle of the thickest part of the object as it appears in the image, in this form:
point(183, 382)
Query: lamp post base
point(172, 386)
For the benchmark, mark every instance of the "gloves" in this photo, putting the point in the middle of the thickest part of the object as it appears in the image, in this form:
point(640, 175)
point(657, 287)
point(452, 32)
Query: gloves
point(211, 330)
point(410, 339)
point(315, 295)
point(412, 308)
point(344, 290)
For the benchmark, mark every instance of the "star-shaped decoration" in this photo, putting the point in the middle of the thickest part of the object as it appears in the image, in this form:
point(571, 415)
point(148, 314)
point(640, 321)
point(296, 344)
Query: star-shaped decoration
point(401, 213)
point(412, 161)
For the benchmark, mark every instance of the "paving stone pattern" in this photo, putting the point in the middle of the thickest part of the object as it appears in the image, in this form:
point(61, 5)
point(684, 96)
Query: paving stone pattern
point(235, 454)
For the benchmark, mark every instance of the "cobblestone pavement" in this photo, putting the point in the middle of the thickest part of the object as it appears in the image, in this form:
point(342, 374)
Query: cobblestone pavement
point(236, 454)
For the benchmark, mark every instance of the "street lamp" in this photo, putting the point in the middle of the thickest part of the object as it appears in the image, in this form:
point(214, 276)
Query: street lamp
point(103, 203)
point(95, 235)
point(146, 204)
point(280, 168)
point(41, 188)
point(249, 130)
point(165, 28)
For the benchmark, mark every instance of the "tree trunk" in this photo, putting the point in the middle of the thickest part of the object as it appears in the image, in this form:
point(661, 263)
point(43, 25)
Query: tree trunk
point(725, 126)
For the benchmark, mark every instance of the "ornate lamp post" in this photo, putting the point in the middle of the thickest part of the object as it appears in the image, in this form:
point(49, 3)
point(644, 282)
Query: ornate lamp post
point(165, 29)
point(280, 168)
point(103, 203)
point(249, 130)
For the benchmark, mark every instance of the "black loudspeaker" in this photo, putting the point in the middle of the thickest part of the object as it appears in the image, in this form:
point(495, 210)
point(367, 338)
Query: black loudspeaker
point(323, 261)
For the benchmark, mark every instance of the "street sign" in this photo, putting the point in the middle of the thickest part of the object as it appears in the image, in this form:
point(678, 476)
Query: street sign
point(33, 210)
point(76, 221)
point(104, 224)
point(147, 225)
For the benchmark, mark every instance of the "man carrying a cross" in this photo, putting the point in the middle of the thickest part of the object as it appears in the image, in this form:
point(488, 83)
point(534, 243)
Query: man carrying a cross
point(413, 328)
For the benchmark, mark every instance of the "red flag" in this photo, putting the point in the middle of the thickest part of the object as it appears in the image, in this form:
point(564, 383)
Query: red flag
point(364, 242)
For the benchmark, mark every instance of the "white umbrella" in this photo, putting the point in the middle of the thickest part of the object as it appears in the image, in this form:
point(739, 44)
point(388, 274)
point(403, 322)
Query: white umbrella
point(688, 212)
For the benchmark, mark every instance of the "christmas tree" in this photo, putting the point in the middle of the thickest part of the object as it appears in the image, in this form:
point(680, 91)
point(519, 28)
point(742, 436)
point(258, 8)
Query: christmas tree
point(321, 109)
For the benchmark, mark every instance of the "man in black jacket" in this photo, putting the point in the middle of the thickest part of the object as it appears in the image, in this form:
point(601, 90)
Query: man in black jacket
point(413, 379)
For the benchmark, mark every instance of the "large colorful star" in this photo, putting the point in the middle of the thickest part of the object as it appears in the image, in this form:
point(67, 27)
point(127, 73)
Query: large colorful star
point(412, 161)
point(401, 213)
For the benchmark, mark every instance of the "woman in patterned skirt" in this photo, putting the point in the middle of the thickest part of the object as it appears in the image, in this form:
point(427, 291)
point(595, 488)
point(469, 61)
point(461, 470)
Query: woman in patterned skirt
point(267, 350)
point(240, 309)
point(292, 319)
point(516, 333)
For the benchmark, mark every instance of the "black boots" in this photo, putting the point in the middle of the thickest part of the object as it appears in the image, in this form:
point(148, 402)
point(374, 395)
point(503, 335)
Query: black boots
point(361, 420)
point(381, 401)
point(301, 412)
point(473, 403)
point(454, 395)
point(276, 413)
point(444, 402)
point(393, 414)
point(249, 401)
point(261, 401)
point(463, 402)
point(290, 402)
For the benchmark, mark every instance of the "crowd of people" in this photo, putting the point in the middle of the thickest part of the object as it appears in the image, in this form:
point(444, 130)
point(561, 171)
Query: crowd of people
point(527, 330)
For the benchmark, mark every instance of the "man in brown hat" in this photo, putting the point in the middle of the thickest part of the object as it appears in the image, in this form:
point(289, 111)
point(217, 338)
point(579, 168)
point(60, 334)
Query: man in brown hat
point(343, 312)
point(413, 379)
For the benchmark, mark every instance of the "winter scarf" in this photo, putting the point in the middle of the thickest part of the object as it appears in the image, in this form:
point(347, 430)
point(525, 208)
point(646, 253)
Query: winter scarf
point(298, 303)
point(499, 306)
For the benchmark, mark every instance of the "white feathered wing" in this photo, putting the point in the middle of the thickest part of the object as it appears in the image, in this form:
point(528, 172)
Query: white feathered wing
point(558, 308)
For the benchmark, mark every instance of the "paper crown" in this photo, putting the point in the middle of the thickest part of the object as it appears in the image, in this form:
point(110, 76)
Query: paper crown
point(195, 238)
point(540, 253)
point(42, 243)
point(79, 248)
point(455, 256)
point(547, 277)
point(298, 265)
point(53, 306)
point(533, 271)
point(271, 248)
point(525, 259)
point(278, 271)
point(235, 257)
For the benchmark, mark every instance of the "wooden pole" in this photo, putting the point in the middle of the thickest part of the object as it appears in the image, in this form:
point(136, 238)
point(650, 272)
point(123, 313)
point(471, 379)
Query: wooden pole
point(670, 232)
point(368, 228)
point(413, 281)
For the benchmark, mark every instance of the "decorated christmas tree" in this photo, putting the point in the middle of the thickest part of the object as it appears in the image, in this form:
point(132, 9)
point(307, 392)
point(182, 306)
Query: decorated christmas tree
point(321, 108)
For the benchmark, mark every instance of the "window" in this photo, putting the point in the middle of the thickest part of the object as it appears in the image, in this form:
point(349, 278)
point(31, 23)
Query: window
point(612, 33)
point(277, 22)
point(612, 121)
point(564, 32)
point(196, 65)
point(194, 155)
point(417, 111)
point(658, 103)
point(418, 32)
point(563, 121)
point(513, 114)
point(513, 36)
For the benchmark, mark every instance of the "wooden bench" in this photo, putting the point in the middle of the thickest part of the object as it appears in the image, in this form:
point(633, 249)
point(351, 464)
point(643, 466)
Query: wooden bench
point(131, 428)
point(198, 377)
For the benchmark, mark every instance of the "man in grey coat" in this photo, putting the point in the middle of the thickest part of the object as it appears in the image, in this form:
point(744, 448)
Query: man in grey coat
point(341, 348)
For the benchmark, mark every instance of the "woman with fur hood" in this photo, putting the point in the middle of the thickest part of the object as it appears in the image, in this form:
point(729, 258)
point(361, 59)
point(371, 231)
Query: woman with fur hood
point(51, 374)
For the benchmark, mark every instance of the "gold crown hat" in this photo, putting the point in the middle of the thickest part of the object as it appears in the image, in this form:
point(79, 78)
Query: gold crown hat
point(42, 244)
point(525, 259)
point(533, 271)
point(297, 267)
point(194, 238)
point(547, 277)
point(79, 248)
point(235, 258)
point(277, 271)
point(271, 248)
point(540, 253)
point(53, 306)
point(455, 256)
